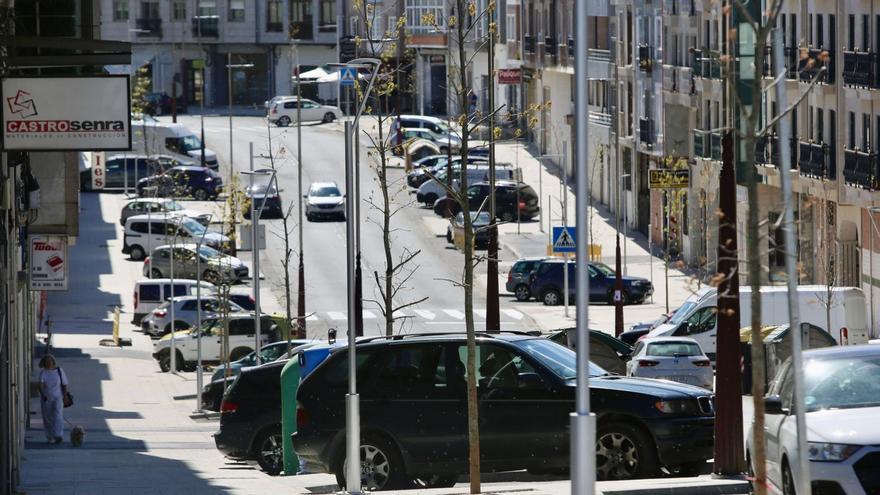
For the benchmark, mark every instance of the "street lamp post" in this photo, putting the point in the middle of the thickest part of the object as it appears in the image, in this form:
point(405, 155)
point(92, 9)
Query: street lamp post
point(229, 67)
point(301, 283)
point(199, 317)
point(255, 248)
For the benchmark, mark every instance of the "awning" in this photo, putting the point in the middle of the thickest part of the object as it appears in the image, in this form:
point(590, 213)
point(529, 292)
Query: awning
point(315, 73)
point(334, 78)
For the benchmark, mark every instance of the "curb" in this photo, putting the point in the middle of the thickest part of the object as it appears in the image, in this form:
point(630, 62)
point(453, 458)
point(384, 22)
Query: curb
point(704, 485)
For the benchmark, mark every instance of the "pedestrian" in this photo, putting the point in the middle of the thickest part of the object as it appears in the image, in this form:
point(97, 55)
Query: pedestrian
point(53, 387)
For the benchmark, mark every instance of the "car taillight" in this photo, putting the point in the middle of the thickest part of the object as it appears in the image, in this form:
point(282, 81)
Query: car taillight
point(227, 407)
point(522, 205)
point(648, 363)
point(274, 109)
point(159, 313)
point(509, 276)
point(703, 363)
point(147, 260)
point(302, 417)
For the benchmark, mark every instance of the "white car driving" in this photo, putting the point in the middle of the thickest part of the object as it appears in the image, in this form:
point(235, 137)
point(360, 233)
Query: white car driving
point(324, 200)
point(283, 112)
point(679, 359)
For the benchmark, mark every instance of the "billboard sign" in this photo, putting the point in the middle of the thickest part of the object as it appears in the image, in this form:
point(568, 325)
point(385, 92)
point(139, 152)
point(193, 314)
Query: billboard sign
point(661, 178)
point(48, 263)
point(509, 76)
point(66, 113)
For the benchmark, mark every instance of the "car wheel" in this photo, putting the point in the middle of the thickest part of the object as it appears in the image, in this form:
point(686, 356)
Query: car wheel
point(155, 273)
point(268, 451)
point(436, 481)
point(381, 466)
point(238, 353)
point(137, 253)
point(624, 452)
point(328, 117)
point(200, 194)
point(522, 292)
point(284, 121)
point(430, 199)
point(165, 361)
point(551, 297)
point(787, 480)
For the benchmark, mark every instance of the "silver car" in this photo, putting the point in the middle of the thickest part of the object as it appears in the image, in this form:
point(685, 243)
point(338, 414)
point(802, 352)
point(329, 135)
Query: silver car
point(679, 359)
point(324, 200)
point(191, 261)
point(158, 322)
point(144, 206)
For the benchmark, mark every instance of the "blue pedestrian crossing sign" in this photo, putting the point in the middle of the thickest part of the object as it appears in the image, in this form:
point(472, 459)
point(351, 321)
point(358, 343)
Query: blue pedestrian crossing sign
point(347, 76)
point(564, 240)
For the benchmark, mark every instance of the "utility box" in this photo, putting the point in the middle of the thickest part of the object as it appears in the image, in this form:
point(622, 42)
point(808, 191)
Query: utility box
point(245, 237)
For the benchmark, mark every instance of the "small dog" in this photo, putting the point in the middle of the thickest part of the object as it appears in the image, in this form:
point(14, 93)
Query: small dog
point(77, 435)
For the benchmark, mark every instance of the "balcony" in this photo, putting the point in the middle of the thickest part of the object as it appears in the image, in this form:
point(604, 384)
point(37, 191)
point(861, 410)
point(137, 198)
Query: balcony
point(646, 58)
point(600, 118)
point(762, 150)
point(707, 144)
point(529, 44)
point(861, 169)
point(815, 60)
point(776, 150)
point(860, 69)
point(148, 28)
point(679, 7)
point(706, 64)
point(550, 48)
point(817, 160)
point(206, 26)
point(646, 132)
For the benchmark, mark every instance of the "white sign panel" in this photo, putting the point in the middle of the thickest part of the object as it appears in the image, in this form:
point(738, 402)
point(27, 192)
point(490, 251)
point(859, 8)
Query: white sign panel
point(66, 113)
point(99, 171)
point(48, 263)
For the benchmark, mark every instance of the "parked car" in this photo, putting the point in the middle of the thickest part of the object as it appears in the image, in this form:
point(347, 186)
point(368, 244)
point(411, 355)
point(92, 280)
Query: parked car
point(638, 330)
point(413, 391)
point(243, 297)
point(434, 124)
point(433, 189)
point(608, 352)
point(143, 233)
point(518, 277)
point(547, 283)
point(121, 168)
point(242, 336)
point(268, 353)
point(150, 293)
point(153, 206)
point(513, 201)
point(679, 359)
point(150, 136)
point(159, 321)
point(283, 112)
point(445, 142)
point(479, 223)
point(267, 198)
point(842, 402)
point(324, 200)
point(215, 266)
point(417, 177)
point(184, 181)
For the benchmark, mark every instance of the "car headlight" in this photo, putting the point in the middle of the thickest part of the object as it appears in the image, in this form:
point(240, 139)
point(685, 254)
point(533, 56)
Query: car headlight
point(683, 407)
point(831, 452)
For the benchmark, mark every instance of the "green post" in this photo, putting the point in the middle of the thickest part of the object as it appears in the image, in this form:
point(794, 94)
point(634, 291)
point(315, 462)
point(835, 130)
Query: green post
point(289, 385)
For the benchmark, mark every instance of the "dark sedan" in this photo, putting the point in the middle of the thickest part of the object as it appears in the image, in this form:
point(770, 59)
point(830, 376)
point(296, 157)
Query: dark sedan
point(185, 180)
point(547, 283)
point(264, 197)
point(414, 414)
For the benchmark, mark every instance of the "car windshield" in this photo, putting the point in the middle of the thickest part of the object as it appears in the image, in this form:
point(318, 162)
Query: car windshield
point(325, 191)
point(670, 349)
point(173, 206)
point(194, 228)
point(559, 359)
point(209, 252)
point(841, 383)
point(481, 218)
point(604, 269)
point(271, 353)
point(190, 143)
point(683, 312)
point(260, 189)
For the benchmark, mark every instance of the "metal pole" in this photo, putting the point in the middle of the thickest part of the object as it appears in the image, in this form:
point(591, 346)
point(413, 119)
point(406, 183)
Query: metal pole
point(565, 219)
point(199, 377)
point(358, 277)
point(583, 423)
point(171, 300)
point(871, 268)
point(493, 317)
point(789, 235)
point(540, 197)
point(255, 251)
point(229, 90)
point(352, 404)
point(301, 287)
point(650, 261)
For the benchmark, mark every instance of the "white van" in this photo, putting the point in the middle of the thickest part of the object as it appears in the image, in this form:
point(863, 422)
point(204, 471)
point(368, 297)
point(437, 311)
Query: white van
point(432, 190)
point(696, 317)
point(149, 293)
point(152, 137)
point(143, 233)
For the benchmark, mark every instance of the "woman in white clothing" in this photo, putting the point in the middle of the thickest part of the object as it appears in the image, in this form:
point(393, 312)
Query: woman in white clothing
point(53, 386)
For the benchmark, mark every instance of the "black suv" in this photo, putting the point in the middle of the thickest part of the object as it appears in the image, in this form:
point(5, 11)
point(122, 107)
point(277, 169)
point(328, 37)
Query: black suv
point(547, 283)
point(414, 412)
point(184, 180)
point(510, 198)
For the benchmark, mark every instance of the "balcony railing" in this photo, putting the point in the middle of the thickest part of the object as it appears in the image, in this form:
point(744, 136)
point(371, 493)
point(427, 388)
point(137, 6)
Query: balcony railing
point(776, 150)
point(706, 64)
point(860, 69)
point(529, 43)
point(679, 7)
point(570, 46)
point(646, 57)
point(206, 26)
point(701, 143)
point(550, 46)
point(817, 160)
point(147, 27)
point(600, 118)
point(814, 61)
point(646, 132)
point(861, 169)
point(762, 150)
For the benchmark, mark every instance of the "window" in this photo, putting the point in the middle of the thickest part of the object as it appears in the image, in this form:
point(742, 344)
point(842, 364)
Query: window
point(820, 124)
point(512, 30)
point(852, 130)
point(852, 32)
point(328, 16)
point(497, 368)
point(188, 306)
point(866, 33)
point(701, 321)
point(274, 22)
point(207, 8)
point(866, 131)
point(674, 349)
point(149, 10)
point(412, 371)
point(179, 289)
point(178, 10)
point(139, 227)
point(241, 326)
point(820, 30)
point(301, 19)
point(420, 11)
point(236, 10)
point(149, 292)
point(120, 10)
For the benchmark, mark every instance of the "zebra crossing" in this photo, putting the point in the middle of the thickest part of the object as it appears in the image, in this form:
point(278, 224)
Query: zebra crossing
point(428, 316)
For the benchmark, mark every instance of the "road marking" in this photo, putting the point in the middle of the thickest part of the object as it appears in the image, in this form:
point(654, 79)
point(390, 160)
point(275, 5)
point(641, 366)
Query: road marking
point(428, 315)
point(368, 315)
point(458, 315)
point(336, 315)
point(480, 312)
point(516, 315)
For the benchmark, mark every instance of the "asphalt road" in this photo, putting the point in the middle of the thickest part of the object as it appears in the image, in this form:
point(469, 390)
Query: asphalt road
point(436, 267)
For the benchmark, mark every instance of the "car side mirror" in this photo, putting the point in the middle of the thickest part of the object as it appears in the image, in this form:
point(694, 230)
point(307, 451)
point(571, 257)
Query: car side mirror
point(305, 196)
point(773, 405)
point(530, 380)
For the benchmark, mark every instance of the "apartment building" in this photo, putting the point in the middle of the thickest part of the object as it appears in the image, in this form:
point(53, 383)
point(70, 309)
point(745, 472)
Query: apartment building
point(191, 42)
